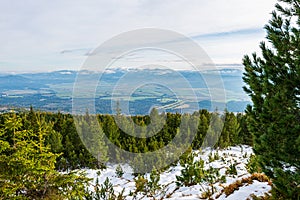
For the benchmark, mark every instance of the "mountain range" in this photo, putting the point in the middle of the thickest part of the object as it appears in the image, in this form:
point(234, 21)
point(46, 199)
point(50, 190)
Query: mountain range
point(136, 90)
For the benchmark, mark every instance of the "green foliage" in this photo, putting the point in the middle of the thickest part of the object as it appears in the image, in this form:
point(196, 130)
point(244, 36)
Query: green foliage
point(27, 167)
point(214, 130)
point(213, 157)
point(54, 139)
point(231, 169)
point(204, 117)
point(244, 137)
point(107, 190)
point(273, 85)
point(87, 146)
point(230, 132)
point(223, 179)
point(153, 184)
point(103, 191)
point(212, 175)
point(119, 171)
point(253, 165)
point(92, 137)
point(186, 157)
point(192, 172)
point(141, 184)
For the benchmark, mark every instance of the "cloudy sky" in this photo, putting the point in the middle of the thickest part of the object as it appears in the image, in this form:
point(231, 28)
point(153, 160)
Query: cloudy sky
point(59, 34)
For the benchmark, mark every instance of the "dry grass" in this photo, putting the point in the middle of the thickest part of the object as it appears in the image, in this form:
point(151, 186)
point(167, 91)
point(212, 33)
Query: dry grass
point(228, 190)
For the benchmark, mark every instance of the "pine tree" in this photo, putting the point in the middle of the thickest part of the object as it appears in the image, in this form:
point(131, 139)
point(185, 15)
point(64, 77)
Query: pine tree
point(202, 129)
point(27, 167)
point(274, 87)
point(230, 132)
point(214, 130)
point(244, 136)
point(93, 137)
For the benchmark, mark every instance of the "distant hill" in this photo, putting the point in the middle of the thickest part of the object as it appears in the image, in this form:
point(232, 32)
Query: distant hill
point(16, 82)
point(54, 90)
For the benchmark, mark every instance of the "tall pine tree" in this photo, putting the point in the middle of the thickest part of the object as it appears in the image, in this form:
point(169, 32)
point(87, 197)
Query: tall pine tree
point(274, 86)
point(27, 167)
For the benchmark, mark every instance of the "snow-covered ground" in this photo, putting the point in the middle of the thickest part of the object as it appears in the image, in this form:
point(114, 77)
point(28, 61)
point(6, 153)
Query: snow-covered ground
point(237, 155)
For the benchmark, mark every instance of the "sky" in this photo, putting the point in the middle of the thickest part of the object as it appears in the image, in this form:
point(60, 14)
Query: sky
point(60, 34)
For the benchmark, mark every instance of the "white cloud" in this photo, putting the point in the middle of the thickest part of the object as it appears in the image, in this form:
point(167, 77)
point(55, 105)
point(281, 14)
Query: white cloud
point(33, 33)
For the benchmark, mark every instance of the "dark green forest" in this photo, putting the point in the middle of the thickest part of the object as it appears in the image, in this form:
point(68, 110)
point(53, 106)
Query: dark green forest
point(64, 139)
